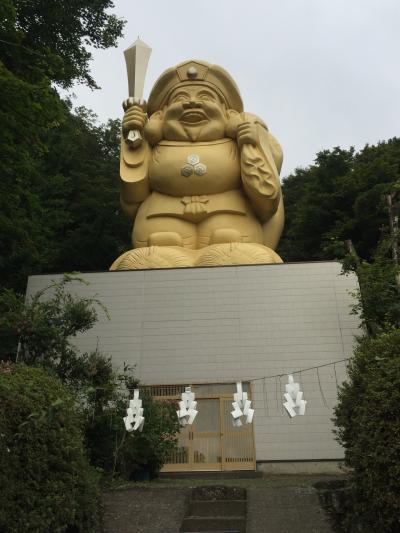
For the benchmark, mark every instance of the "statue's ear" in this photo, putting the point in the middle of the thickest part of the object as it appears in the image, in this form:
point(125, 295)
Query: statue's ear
point(232, 123)
point(153, 130)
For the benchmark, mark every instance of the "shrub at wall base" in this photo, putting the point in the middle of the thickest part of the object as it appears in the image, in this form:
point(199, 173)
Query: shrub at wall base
point(46, 483)
point(368, 421)
point(142, 454)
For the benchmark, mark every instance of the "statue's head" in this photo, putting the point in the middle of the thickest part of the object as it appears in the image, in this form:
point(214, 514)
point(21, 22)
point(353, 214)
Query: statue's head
point(194, 101)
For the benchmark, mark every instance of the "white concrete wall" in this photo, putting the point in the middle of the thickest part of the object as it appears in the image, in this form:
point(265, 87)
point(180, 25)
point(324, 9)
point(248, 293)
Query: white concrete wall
point(234, 323)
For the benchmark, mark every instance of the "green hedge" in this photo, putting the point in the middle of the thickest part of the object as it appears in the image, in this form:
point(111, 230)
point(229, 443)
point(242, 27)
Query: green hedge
point(117, 452)
point(46, 483)
point(368, 421)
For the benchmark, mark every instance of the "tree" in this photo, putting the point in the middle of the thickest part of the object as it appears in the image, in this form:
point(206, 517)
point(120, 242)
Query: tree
point(378, 296)
point(340, 197)
point(39, 331)
point(368, 422)
point(366, 417)
point(42, 44)
point(88, 227)
point(27, 111)
point(49, 39)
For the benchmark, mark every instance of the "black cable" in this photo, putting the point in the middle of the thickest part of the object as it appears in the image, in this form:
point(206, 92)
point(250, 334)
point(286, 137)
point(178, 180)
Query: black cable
point(320, 389)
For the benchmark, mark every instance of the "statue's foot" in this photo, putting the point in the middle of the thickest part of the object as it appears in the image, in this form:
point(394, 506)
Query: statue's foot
point(154, 257)
point(236, 253)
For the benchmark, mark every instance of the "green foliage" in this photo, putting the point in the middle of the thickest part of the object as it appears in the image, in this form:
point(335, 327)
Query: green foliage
point(39, 330)
point(42, 327)
point(44, 43)
point(114, 450)
point(368, 421)
point(27, 112)
point(50, 39)
point(59, 207)
point(46, 483)
point(367, 413)
point(88, 228)
point(123, 454)
point(338, 198)
point(150, 449)
point(378, 296)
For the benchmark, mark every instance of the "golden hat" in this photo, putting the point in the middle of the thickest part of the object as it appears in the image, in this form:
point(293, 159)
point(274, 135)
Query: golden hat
point(195, 72)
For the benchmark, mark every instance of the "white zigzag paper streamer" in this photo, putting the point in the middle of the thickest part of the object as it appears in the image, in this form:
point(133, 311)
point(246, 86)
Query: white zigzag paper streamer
point(134, 420)
point(294, 404)
point(187, 408)
point(241, 407)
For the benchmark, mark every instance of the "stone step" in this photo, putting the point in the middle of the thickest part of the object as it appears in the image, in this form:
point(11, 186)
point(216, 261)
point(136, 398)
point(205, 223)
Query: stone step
point(218, 493)
point(218, 508)
point(213, 525)
point(233, 474)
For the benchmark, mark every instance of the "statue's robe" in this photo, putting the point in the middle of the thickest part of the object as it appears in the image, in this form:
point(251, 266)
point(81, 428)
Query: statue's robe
point(192, 181)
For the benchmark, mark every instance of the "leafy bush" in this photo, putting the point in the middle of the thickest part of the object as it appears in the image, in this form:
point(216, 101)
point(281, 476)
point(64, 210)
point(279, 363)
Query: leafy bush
point(46, 483)
point(148, 451)
point(124, 454)
point(43, 327)
point(368, 421)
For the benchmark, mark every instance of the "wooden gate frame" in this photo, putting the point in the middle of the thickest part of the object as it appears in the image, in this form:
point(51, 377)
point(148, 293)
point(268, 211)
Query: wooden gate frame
point(224, 465)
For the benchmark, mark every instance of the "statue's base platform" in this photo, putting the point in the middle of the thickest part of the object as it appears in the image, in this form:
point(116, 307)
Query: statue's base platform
point(215, 326)
point(225, 254)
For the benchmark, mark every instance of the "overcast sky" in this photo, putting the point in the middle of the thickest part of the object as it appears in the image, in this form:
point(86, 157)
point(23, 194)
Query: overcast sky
point(321, 73)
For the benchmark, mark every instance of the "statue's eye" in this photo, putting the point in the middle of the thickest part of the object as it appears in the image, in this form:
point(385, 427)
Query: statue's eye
point(206, 97)
point(180, 98)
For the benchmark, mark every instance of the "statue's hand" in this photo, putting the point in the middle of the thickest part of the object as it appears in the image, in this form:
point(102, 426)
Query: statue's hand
point(247, 133)
point(134, 120)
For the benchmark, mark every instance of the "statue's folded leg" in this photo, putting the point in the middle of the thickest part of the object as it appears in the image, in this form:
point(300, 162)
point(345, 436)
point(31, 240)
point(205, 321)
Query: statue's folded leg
point(159, 242)
point(162, 230)
point(222, 235)
point(227, 228)
point(229, 239)
point(165, 238)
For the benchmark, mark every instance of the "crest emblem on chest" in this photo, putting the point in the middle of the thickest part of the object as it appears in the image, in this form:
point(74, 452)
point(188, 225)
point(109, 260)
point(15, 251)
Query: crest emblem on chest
point(193, 166)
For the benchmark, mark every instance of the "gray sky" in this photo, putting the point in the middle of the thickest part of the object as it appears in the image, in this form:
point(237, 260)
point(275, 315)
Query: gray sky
point(320, 73)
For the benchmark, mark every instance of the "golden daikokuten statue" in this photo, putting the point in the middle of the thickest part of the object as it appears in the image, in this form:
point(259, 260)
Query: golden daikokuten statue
point(203, 185)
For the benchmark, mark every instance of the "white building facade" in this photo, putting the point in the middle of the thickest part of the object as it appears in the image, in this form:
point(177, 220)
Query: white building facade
point(212, 327)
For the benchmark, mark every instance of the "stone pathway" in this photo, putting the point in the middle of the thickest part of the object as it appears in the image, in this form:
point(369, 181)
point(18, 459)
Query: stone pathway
point(270, 509)
point(144, 510)
point(285, 510)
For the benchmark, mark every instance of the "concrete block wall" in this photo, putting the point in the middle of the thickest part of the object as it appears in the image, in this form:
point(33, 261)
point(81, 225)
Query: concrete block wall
point(223, 324)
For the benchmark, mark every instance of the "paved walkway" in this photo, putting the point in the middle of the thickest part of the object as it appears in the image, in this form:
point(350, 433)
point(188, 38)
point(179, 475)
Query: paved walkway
point(285, 510)
point(144, 510)
point(270, 509)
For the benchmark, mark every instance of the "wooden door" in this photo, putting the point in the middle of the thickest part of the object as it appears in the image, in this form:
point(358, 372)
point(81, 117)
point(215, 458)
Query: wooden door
point(237, 443)
point(212, 443)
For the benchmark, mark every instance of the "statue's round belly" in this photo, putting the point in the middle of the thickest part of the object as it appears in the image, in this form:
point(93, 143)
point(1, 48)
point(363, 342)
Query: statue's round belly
point(179, 169)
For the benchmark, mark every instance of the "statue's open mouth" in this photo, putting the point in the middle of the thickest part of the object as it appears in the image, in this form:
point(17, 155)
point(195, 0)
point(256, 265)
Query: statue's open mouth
point(193, 116)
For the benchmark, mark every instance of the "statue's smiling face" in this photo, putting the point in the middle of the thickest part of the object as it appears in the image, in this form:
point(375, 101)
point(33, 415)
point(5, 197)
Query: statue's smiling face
point(194, 113)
